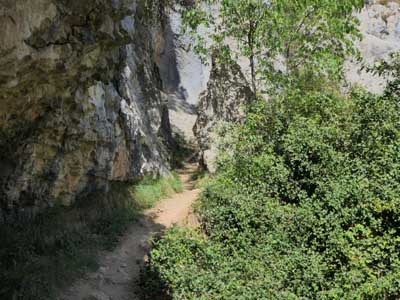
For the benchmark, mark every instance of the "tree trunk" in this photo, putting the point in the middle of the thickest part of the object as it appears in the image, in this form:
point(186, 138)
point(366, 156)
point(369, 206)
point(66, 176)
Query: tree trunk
point(250, 41)
point(253, 74)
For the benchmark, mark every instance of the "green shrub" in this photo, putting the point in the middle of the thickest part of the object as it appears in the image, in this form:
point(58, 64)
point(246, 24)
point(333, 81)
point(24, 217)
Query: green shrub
point(149, 191)
point(305, 206)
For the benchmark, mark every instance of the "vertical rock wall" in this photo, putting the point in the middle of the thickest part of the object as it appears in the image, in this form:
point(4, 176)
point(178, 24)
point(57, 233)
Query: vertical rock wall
point(227, 91)
point(89, 91)
point(183, 74)
point(80, 100)
point(380, 27)
point(227, 94)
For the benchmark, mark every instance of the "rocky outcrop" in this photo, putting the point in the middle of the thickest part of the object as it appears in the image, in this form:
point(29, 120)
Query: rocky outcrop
point(380, 27)
point(89, 89)
point(81, 101)
point(228, 90)
point(183, 74)
point(227, 93)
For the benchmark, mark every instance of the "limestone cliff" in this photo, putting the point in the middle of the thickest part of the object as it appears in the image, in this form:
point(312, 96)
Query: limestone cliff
point(81, 101)
point(183, 74)
point(224, 101)
point(228, 89)
point(89, 90)
point(380, 27)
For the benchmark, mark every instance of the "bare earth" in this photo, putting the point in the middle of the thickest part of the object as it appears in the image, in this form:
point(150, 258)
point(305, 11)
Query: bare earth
point(119, 270)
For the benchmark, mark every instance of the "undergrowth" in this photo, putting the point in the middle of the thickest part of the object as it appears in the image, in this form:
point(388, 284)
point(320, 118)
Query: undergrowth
point(183, 151)
point(201, 177)
point(150, 191)
point(305, 205)
point(40, 257)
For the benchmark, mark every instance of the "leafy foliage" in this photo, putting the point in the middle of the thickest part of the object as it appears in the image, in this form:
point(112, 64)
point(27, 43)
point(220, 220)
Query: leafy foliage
point(389, 67)
point(149, 191)
point(305, 206)
point(279, 37)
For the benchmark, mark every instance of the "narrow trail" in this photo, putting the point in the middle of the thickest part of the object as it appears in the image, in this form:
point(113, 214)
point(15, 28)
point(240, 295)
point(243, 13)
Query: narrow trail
point(119, 270)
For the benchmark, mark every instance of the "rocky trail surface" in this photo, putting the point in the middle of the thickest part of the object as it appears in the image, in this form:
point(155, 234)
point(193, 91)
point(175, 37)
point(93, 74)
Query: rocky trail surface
point(119, 270)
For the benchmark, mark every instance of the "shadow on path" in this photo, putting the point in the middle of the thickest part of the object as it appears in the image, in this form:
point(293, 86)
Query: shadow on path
point(119, 271)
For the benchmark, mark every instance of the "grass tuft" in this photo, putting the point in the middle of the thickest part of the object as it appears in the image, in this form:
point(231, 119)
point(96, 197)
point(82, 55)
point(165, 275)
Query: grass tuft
point(40, 257)
point(202, 178)
point(150, 191)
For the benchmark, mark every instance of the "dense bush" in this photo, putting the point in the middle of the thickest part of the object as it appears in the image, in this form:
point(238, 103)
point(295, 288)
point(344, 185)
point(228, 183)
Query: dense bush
point(306, 206)
point(149, 191)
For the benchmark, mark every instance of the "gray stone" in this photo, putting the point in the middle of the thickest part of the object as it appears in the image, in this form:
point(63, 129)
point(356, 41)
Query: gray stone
point(379, 25)
point(184, 75)
point(80, 100)
point(89, 92)
point(227, 93)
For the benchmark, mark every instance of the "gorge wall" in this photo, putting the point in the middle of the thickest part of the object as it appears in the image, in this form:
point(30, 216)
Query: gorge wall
point(380, 28)
point(227, 93)
point(184, 75)
point(90, 92)
point(81, 100)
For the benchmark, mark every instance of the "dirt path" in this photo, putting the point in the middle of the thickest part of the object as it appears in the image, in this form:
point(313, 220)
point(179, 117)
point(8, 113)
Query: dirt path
point(120, 269)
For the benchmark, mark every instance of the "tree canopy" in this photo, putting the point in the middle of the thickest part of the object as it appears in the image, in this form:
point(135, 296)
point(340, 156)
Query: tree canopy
point(280, 38)
point(305, 203)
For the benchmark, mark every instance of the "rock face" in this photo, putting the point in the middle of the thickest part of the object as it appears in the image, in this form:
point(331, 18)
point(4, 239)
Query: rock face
point(227, 93)
point(81, 101)
point(227, 89)
point(183, 74)
point(89, 90)
point(380, 27)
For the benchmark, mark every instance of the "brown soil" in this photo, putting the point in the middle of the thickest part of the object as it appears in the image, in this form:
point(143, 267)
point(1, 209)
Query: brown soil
point(119, 270)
